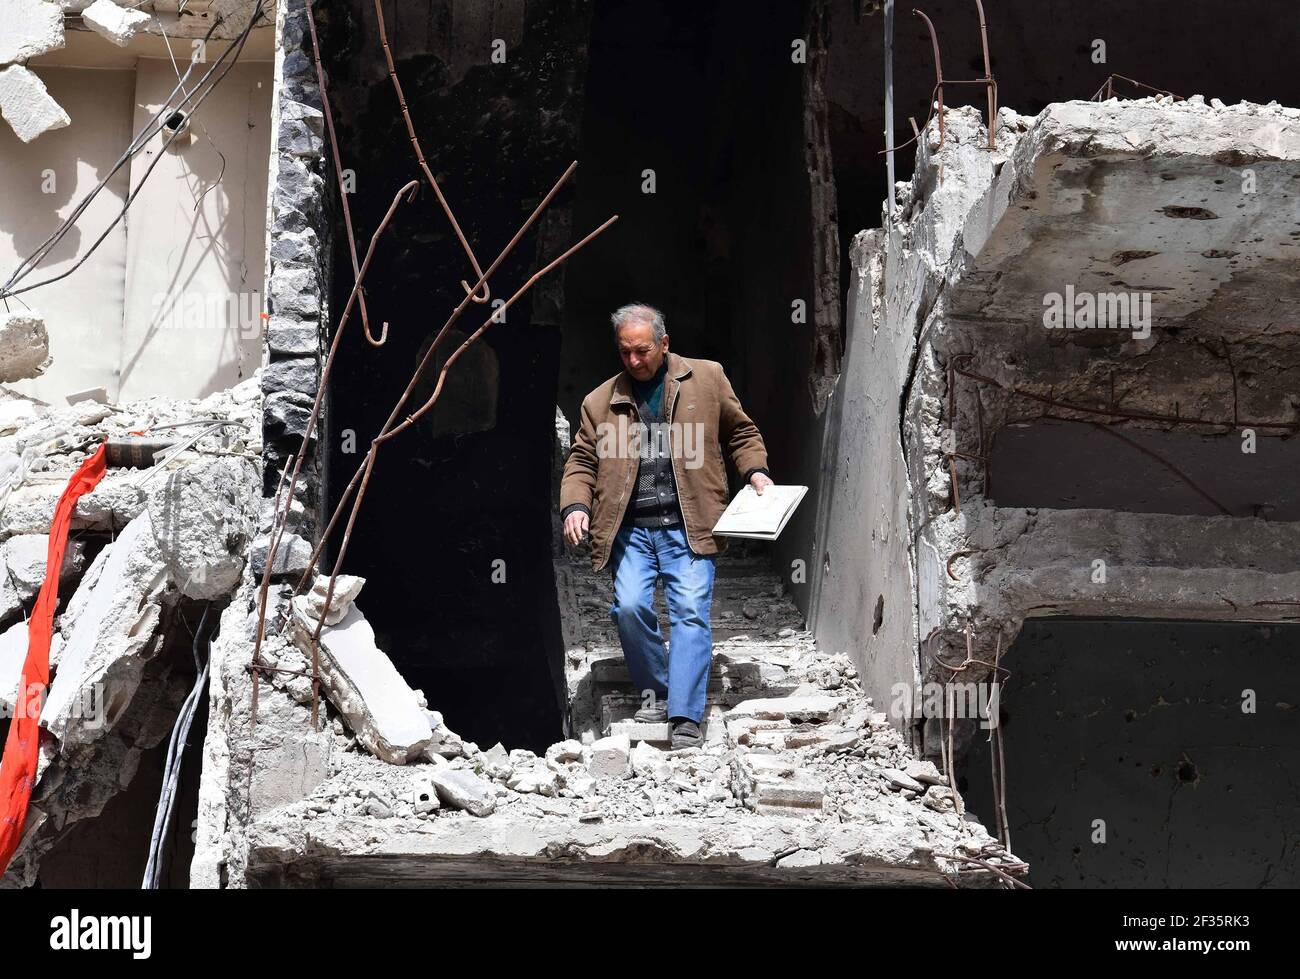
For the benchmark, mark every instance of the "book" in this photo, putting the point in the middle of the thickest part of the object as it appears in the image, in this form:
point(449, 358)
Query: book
point(760, 517)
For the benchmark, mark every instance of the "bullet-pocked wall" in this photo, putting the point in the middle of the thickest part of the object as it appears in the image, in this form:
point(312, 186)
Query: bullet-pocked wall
point(1148, 754)
point(455, 535)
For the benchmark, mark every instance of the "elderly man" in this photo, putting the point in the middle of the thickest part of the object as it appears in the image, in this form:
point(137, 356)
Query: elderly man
point(646, 476)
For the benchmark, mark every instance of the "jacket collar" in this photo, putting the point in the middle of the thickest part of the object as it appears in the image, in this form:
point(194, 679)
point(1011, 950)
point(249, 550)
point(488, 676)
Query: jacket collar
point(678, 368)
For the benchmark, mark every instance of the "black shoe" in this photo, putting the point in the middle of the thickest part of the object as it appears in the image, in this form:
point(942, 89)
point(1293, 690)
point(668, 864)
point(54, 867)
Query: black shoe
point(686, 734)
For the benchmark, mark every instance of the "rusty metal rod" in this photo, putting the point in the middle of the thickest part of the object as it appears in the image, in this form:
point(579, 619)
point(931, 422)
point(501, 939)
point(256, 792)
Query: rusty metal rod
point(338, 175)
point(380, 439)
point(278, 524)
point(419, 156)
point(428, 358)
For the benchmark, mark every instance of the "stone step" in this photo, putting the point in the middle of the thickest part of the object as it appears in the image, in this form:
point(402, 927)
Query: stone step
point(659, 734)
point(741, 672)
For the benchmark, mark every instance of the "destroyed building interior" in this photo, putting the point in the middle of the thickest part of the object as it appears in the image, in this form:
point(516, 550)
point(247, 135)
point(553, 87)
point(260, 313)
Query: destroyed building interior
point(247, 244)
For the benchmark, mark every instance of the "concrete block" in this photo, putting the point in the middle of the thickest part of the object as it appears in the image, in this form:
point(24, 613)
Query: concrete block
point(22, 568)
point(24, 343)
point(462, 789)
point(27, 106)
point(308, 608)
point(901, 780)
point(361, 681)
point(647, 760)
point(115, 23)
point(30, 27)
point(610, 757)
point(13, 653)
point(424, 796)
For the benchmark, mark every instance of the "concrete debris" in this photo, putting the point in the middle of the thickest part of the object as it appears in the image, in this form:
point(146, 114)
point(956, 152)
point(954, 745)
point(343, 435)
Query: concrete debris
point(424, 796)
point(16, 413)
point(360, 680)
point(924, 771)
point(818, 795)
point(291, 556)
point(13, 653)
point(901, 780)
point(462, 789)
point(795, 709)
point(31, 27)
point(24, 343)
point(115, 23)
point(30, 110)
point(101, 663)
point(22, 568)
point(609, 757)
point(202, 519)
point(308, 608)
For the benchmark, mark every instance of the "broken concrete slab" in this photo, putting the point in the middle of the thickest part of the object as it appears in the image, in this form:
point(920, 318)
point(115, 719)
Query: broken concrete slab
point(31, 27)
point(289, 850)
point(30, 110)
point(117, 24)
point(901, 780)
point(360, 680)
point(102, 662)
point(107, 508)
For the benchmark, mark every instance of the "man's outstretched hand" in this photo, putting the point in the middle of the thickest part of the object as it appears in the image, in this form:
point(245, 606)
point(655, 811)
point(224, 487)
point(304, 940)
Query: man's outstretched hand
point(759, 481)
point(575, 525)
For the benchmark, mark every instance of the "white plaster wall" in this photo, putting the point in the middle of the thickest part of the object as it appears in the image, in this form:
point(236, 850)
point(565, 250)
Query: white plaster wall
point(196, 240)
point(194, 235)
point(83, 312)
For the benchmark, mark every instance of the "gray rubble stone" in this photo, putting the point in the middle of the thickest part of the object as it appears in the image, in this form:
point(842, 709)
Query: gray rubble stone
point(462, 789)
point(609, 757)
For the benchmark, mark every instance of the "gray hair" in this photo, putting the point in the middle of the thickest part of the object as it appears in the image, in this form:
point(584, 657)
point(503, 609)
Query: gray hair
point(639, 313)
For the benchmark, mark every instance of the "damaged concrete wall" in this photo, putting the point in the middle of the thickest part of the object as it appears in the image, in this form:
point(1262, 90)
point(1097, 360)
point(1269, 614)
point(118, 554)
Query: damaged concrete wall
point(1128, 196)
point(121, 658)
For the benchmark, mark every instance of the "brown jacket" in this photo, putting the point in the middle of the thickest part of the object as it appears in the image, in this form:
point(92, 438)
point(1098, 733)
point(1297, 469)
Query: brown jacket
point(600, 473)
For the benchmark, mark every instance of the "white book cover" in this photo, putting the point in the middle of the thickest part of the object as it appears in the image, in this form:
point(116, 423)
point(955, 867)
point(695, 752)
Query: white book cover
point(761, 517)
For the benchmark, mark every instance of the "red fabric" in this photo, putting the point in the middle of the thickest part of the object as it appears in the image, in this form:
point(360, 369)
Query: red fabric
point(18, 769)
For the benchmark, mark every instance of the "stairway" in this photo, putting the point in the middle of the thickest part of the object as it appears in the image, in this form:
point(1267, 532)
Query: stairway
point(757, 635)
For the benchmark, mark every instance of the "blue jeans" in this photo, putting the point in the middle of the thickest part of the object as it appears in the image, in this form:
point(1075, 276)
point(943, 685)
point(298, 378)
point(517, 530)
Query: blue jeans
point(637, 557)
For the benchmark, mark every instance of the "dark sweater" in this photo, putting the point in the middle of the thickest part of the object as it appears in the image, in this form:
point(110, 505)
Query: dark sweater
point(654, 504)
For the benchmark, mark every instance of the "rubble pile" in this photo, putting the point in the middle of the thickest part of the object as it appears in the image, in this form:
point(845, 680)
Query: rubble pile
point(821, 755)
point(176, 528)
